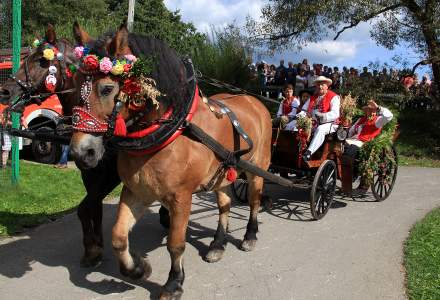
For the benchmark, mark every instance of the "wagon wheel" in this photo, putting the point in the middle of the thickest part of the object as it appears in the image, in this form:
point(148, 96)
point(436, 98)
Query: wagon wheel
point(323, 189)
point(385, 176)
point(239, 190)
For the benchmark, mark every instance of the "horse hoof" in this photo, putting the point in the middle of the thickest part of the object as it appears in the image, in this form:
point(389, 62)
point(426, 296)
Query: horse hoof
point(142, 269)
point(248, 245)
point(91, 262)
point(214, 255)
point(167, 295)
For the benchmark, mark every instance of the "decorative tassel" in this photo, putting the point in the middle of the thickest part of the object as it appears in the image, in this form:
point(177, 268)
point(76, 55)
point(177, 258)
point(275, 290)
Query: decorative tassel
point(120, 127)
point(231, 174)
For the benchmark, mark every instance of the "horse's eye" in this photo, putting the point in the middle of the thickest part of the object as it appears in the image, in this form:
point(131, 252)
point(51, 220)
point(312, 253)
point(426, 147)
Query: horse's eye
point(106, 90)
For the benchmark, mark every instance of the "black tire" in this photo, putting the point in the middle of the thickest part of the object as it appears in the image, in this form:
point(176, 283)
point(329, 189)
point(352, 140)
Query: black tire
point(385, 177)
point(240, 190)
point(45, 152)
point(323, 189)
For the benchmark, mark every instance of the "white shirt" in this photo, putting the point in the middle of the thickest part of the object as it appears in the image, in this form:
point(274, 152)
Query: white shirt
point(331, 115)
point(295, 104)
point(385, 115)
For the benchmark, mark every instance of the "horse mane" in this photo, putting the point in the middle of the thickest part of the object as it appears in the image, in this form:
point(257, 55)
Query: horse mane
point(168, 68)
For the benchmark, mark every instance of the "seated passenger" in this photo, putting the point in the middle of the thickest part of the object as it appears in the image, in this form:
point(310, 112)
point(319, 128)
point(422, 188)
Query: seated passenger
point(367, 128)
point(288, 107)
point(323, 107)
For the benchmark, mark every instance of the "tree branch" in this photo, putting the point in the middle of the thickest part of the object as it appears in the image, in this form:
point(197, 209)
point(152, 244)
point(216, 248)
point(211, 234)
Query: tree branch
point(424, 62)
point(356, 21)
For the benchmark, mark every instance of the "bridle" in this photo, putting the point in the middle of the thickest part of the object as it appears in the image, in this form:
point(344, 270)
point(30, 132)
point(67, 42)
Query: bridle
point(29, 88)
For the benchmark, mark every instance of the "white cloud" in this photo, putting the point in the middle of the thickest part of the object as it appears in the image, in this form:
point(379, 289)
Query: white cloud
point(353, 48)
point(204, 13)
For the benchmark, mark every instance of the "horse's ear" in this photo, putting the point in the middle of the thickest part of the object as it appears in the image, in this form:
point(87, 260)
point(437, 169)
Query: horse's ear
point(81, 37)
point(119, 45)
point(50, 37)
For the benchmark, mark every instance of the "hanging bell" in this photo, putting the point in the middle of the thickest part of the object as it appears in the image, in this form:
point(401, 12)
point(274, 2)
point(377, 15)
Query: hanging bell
point(60, 56)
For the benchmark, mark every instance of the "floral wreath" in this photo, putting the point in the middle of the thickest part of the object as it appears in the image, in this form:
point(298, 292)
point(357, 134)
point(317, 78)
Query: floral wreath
point(137, 86)
point(50, 52)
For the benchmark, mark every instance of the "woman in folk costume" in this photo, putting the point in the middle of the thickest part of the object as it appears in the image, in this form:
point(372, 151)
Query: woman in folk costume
point(288, 107)
point(368, 127)
point(323, 107)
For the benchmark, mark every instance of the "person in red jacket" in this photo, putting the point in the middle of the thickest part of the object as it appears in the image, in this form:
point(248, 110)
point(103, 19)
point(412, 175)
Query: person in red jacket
point(365, 129)
point(323, 107)
point(369, 126)
point(288, 107)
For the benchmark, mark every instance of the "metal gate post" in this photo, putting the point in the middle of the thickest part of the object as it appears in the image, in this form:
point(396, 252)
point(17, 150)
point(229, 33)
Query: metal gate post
point(16, 48)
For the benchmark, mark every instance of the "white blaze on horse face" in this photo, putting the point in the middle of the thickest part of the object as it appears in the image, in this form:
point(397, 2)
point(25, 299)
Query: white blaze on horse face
point(87, 150)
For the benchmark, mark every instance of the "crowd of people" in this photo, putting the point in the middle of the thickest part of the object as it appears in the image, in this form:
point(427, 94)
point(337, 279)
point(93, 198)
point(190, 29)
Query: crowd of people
point(302, 76)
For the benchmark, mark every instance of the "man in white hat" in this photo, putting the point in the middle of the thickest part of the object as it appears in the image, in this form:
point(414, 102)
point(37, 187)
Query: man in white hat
point(323, 107)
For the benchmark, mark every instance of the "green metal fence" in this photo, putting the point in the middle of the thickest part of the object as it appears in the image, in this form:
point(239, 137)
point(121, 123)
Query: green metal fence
point(10, 45)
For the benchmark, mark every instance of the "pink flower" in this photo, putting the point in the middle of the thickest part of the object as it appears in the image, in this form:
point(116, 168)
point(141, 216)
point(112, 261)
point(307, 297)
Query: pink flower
point(130, 57)
point(105, 65)
point(79, 51)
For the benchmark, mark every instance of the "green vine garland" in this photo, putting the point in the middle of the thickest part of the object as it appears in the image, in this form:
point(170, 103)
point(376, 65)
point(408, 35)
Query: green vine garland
point(370, 155)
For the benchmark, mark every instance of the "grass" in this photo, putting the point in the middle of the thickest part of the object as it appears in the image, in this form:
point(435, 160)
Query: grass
point(422, 258)
point(419, 140)
point(43, 194)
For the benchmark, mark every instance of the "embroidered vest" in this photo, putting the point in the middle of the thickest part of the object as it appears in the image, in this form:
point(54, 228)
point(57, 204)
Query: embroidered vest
point(324, 105)
point(287, 105)
point(369, 131)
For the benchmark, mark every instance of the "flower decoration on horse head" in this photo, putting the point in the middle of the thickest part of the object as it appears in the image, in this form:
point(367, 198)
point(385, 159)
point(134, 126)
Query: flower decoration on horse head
point(50, 51)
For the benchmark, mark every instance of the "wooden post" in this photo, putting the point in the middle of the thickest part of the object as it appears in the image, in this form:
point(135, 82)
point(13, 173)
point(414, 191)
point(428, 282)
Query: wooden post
point(130, 18)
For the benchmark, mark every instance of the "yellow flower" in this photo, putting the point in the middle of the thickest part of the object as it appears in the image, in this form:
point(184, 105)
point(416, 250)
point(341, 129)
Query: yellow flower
point(48, 54)
point(117, 69)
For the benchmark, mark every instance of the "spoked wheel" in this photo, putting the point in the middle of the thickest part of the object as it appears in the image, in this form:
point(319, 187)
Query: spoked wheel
point(385, 176)
point(239, 190)
point(323, 189)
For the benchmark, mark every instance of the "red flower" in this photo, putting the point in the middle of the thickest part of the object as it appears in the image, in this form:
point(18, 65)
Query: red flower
point(91, 62)
point(131, 87)
point(127, 67)
point(69, 73)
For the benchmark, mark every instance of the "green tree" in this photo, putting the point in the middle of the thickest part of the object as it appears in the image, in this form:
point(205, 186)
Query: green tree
point(98, 16)
point(298, 22)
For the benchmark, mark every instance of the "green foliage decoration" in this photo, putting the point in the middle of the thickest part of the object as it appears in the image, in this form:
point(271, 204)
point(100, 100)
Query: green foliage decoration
point(377, 151)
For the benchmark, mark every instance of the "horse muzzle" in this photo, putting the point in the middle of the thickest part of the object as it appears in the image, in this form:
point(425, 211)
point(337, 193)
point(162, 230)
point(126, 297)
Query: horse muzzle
point(86, 150)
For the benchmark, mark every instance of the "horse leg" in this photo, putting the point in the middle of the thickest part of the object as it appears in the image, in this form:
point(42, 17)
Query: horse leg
point(218, 245)
point(255, 191)
point(130, 210)
point(99, 182)
point(180, 210)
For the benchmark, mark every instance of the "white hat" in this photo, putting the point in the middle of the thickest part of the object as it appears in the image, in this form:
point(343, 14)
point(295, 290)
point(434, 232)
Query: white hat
point(323, 79)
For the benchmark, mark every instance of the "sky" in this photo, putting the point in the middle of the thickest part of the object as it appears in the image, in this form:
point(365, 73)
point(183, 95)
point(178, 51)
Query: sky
point(353, 48)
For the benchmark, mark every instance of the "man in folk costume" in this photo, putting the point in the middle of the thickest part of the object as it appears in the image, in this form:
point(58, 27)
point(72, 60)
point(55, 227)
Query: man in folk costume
point(364, 130)
point(288, 107)
point(368, 127)
point(323, 107)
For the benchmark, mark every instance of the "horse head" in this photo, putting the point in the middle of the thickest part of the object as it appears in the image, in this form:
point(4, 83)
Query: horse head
point(48, 69)
point(116, 85)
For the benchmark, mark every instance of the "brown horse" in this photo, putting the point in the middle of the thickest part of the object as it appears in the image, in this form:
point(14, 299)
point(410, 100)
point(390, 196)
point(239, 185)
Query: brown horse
point(172, 174)
point(98, 181)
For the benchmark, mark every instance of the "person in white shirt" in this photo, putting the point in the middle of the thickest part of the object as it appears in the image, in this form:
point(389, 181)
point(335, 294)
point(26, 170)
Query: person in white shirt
point(288, 107)
point(323, 107)
point(368, 127)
